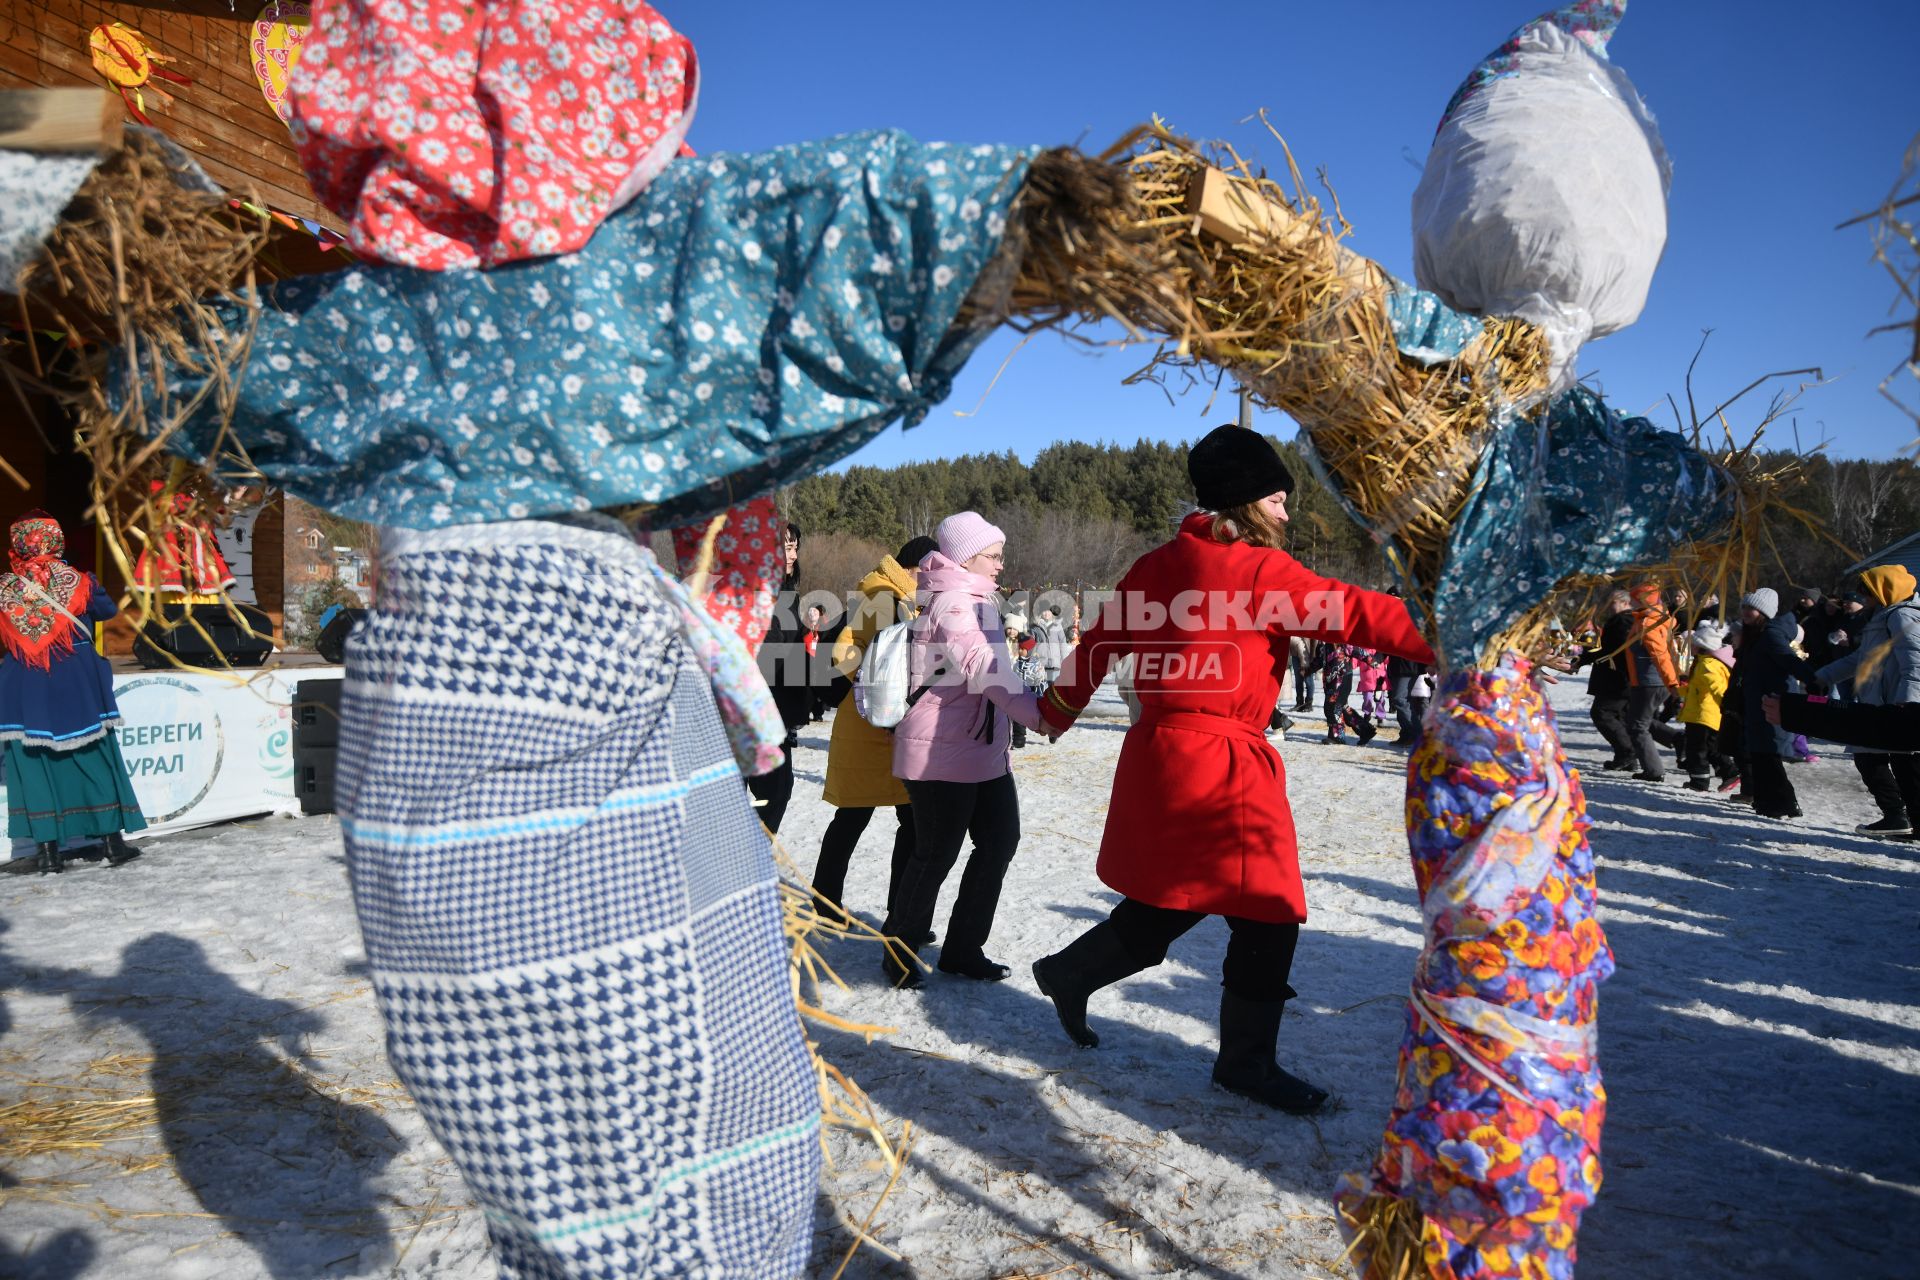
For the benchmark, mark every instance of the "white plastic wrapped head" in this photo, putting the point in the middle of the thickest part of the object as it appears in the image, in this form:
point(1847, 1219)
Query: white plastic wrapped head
point(1545, 194)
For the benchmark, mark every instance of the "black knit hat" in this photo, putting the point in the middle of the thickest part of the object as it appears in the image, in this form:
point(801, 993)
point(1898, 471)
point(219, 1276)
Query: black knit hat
point(1232, 466)
point(914, 551)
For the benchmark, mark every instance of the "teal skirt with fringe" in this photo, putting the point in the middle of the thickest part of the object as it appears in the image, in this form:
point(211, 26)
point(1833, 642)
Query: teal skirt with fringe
point(69, 795)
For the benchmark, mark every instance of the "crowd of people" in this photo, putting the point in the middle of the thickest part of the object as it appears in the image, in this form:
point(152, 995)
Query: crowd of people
point(1675, 686)
point(990, 677)
point(1671, 677)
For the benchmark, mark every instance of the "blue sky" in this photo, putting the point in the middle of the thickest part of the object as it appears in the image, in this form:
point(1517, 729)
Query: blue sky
point(1781, 124)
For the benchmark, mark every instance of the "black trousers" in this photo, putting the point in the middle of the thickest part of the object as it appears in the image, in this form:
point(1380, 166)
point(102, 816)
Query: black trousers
point(1700, 753)
point(1733, 740)
point(836, 852)
point(775, 788)
point(1259, 955)
point(1893, 780)
point(1610, 718)
point(944, 815)
point(1766, 781)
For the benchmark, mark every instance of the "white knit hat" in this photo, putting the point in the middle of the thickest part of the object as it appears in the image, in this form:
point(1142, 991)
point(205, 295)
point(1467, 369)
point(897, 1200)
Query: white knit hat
point(1766, 600)
point(1709, 635)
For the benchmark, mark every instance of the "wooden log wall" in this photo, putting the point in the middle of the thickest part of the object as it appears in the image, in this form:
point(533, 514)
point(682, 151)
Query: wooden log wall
point(222, 118)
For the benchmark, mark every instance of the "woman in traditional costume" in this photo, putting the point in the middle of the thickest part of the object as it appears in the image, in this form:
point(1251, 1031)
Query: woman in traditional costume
point(65, 777)
point(1199, 823)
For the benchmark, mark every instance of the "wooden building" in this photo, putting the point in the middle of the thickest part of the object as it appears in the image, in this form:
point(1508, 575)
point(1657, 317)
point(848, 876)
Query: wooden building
point(222, 118)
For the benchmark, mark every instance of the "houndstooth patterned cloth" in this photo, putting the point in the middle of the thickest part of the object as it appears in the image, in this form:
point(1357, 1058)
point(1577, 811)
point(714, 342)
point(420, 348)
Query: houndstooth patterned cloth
point(570, 911)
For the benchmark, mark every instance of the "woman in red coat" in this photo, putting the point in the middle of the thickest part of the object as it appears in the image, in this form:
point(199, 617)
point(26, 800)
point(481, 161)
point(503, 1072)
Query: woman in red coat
point(1199, 823)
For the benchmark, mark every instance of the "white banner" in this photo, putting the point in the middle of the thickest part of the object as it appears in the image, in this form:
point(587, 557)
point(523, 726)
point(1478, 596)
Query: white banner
point(202, 749)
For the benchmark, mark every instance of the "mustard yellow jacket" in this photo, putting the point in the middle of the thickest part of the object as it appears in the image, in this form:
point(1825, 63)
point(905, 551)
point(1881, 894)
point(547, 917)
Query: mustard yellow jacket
point(859, 756)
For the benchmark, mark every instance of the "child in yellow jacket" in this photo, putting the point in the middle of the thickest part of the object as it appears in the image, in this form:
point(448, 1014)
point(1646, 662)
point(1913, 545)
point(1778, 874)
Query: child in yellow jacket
point(1700, 751)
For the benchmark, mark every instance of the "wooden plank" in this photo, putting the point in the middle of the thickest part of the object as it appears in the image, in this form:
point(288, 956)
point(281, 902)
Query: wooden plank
point(1237, 213)
point(222, 118)
point(72, 120)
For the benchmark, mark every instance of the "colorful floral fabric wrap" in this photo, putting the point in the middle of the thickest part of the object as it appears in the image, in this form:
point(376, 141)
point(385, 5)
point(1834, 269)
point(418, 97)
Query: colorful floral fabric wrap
point(1574, 489)
point(453, 135)
point(754, 729)
point(748, 319)
point(1591, 22)
point(1495, 1130)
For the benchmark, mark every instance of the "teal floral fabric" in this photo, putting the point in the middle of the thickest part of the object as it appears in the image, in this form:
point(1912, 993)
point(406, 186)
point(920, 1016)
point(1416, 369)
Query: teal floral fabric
point(747, 319)
point(1575, 489)
point(1427, 329)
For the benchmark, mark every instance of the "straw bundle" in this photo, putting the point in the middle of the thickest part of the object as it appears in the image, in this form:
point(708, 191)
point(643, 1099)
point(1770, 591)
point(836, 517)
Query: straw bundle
point(1388, 1239)
point(128, 278)
point(1222, 265)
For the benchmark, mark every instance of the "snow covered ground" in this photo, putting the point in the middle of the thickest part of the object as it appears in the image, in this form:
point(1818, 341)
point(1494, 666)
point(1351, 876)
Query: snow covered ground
point(1761, 1043)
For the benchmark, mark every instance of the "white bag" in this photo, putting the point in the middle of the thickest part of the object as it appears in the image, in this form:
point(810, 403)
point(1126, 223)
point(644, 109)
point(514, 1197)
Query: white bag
point(882, 689)
point(1545, 194)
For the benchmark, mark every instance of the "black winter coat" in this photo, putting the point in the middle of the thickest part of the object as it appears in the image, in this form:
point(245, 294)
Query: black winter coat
point(785, 663)
point(1609, 658)
point(1766, 660)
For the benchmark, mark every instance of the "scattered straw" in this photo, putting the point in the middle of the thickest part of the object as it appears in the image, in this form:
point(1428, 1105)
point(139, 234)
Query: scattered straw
point(73, 1120)
point(1388, 1239)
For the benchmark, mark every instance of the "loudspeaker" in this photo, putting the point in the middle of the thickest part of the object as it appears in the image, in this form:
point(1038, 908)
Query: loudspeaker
point(331, 644)
point(175, 632)
point(316, 715)
point(313, 777)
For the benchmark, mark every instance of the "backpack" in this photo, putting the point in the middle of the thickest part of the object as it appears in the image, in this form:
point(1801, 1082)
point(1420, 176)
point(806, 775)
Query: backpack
point(882, 691)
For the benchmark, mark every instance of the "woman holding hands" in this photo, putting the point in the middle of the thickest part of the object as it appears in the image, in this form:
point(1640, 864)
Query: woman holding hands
point(1199, 823)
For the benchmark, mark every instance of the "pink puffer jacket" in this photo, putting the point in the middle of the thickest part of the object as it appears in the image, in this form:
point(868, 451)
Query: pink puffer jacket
point(958, 730)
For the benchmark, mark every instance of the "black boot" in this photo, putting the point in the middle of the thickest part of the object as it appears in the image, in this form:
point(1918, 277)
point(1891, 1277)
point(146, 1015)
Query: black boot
point(1248, 1031)
point(1095, 959)
point(902, 975)
point(119, 852)
point(978, 966)
point(47, 859)
point(1362, 727)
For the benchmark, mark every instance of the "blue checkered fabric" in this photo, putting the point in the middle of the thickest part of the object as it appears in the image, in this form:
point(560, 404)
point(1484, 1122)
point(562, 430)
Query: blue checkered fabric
point(570, 912)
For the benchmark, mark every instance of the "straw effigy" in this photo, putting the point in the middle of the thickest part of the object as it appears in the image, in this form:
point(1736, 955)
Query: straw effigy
point(1213, 263)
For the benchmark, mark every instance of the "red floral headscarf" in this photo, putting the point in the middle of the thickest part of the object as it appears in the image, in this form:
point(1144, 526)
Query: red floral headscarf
point(32, 627)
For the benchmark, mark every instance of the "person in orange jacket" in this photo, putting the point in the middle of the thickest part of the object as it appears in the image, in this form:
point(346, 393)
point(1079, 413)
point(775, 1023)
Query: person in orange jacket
point(1651, 677)
point(1199, 823)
